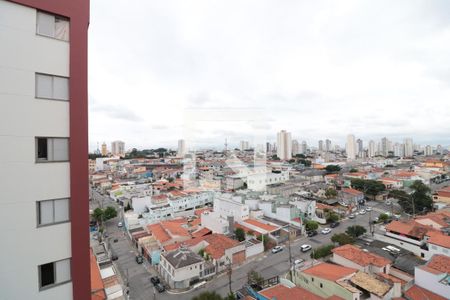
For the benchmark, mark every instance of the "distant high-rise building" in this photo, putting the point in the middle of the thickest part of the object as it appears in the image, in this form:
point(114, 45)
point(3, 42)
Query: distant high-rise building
point(371, 149)
point(104, 149)
point(269, 147)
point(327, 145)
point(409, 148)
point(384, 146)
point(118, 148)
point(44, 201)
point(295, 147)
point(439, 149)
point(360, 148)
point(304, 148)
point(351, 147)
point(321, 146)
point(181, 151)
point(284, 145)
point(399, 150)
point(244, 145)
point(428, 150)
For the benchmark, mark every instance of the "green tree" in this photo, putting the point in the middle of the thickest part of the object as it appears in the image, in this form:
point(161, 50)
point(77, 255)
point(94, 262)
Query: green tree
point(332, 217)
point(201, 252)
point(254, 277)
point(322, 251)
point(109, 213)
point(311, 225)
point(421, 199)
point(331, 193)
point(97, 215)
point(369, 187)
point(383, 218)
point(208, 296)
point(275, 157)
point(355, 231)
point(353, 170)
point(170, 179)
point(332, 168)
point(300, 155)
point(240, 234)
point(342, 239)
point(305, 162)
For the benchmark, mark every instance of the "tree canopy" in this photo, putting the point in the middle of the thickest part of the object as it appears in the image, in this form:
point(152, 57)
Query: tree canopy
point(240, 234)
point(322, 251)
point(355, 231)
point(369, 187)
point(311, 225)
point(342, 239)
point(332, 217)
point(332, 168)
point(331, 193)
point(110, 212)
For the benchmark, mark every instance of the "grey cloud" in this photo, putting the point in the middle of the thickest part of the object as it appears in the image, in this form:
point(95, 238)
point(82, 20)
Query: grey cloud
point(116, 112)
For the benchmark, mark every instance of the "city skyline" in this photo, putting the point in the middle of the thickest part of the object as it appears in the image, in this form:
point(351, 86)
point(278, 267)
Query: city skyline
point(316, 69)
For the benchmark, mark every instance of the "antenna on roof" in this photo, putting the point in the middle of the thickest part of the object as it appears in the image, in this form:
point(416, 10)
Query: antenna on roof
point(226, 145)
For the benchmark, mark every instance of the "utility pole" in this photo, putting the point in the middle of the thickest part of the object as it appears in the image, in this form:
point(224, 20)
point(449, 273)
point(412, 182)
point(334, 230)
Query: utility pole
point(290, 256)
point(229, 271)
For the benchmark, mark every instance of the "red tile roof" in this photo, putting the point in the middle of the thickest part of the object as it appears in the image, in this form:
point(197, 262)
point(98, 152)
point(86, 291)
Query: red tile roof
point(176, 227)
point(97, 287)
point(360, 257)
point(440, 263)
point(246, 229)
point(218, 243)
point(329, 271)
point(438, 238)
point(352, 191)
point(418, 293)
point(201, 232)
point(159, 233)
point(282, 292)
point(261, 225)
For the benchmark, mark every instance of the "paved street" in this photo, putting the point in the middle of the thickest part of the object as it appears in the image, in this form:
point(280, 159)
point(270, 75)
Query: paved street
point(268, 266)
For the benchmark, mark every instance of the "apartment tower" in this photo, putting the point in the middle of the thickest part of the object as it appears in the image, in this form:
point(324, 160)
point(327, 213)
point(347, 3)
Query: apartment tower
point(284, 145)
point(44, 207)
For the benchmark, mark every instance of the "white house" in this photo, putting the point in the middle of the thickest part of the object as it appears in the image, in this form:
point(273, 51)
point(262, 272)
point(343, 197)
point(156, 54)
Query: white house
point(435, 275)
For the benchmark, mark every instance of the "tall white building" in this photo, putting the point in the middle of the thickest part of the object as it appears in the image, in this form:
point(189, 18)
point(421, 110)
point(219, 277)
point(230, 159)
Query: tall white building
point(118, 148)
point(304, 148)
point(351, 147)
point(181, 151)
point(409, 148)
point(321, 146)
point(295, 147)
point(428, 150)
point(399, 150)
point(327, 145)
point(284, 145)
point(371, 149)
point(244, 145)
point(44, 206)
point(385, 146)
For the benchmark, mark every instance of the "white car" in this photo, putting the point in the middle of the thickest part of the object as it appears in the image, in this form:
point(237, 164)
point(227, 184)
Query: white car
point(362, 212)
point(368, 208)
point(119, 224)
point(277, 249)
point(326, 231)
point(305, 247)
point(299, 261)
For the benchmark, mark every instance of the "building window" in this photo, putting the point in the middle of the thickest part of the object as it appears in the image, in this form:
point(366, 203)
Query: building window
point(321, 285)
point(54, 273)
point(52, 87)
point(52, 149)
point(53, 211)
point(52, 26)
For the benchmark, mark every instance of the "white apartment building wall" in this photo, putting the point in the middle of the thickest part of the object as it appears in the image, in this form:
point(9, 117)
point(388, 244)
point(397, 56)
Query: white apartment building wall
point(118, 148)
point(284, 145)
point(409, 147)
point(258, 182)
point(430, 281)
point(226, 206)
point(371, 149)
point(24, 181)
point(214, 222)
point(351, 147)
point(181, 148)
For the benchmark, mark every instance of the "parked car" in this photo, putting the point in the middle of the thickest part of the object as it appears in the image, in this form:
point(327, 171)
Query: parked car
point(362, 212)
point(299, 261)
point(155, 280)
point(311, 233)
point(277, 249)
point(159, 287)
point(139, 259)
point(114, 257)
point(326, 231)
point(351, 216)
point(119, 224)
point(334, 224)
point(305, 247)
point(368, 208)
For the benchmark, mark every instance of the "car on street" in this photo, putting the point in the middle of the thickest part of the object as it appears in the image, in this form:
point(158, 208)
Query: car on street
point(311, 233)
point(119, 224)
point(155, 280)
point(299, 261)
point(351, 216)
point(159, 287)
point(139, 259)
point(114, 257)
point(277, 249)
point(368, 208)
point(305, 247)
point(362, 212)
point(334, 224)
point(326, 230)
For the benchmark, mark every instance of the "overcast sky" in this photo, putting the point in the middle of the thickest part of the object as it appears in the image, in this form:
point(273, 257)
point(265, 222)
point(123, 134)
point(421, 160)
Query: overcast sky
point(209, 70)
